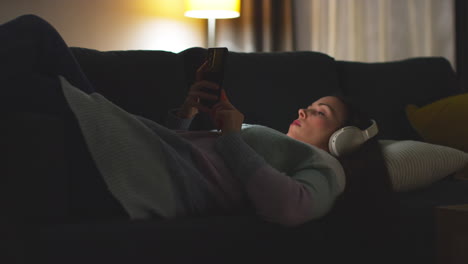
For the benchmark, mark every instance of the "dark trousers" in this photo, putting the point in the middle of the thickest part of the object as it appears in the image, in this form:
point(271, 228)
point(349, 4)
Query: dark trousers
point(32, 55)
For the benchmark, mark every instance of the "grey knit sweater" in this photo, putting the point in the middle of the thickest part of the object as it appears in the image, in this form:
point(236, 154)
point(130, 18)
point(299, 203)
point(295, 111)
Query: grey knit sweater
point(153, 170)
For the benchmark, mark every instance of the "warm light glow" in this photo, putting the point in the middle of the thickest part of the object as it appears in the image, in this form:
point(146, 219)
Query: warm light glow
point(172, 9)
point(158, 34)
point(212, 8)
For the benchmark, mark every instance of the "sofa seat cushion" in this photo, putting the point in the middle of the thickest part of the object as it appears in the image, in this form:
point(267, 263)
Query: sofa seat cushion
point(237, 238)
point(213, 239)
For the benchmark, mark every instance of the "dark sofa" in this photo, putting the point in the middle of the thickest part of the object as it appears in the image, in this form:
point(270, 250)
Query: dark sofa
point(268, 88)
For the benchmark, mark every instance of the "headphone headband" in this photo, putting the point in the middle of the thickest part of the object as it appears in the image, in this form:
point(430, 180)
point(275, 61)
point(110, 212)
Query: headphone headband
point(372, 130)
point(350, 138)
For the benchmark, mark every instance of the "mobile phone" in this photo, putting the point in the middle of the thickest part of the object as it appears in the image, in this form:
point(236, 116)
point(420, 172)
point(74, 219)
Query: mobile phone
point(216, 58)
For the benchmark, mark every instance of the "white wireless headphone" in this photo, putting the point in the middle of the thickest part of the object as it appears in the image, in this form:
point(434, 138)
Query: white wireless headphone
point(349, 138)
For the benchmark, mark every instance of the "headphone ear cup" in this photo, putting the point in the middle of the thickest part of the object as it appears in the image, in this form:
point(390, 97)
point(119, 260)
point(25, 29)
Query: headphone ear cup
point(345, 140)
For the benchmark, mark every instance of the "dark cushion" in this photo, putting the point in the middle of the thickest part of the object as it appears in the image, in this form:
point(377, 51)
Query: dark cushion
point(384, 89)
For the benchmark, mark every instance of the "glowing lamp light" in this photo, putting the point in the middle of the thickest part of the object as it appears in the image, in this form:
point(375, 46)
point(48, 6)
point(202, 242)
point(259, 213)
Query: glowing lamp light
point(212, 10)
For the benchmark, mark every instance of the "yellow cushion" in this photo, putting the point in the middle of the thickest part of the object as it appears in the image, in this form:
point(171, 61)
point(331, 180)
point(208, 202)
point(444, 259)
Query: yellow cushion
point(444, 122)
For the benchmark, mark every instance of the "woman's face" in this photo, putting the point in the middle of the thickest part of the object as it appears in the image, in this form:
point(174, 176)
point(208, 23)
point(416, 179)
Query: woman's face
point(319, 121)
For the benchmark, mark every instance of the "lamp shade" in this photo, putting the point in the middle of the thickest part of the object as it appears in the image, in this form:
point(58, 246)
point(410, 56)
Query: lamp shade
point(212, 8)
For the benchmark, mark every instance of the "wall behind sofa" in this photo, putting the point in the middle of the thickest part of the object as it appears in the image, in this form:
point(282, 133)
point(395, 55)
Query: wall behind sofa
point(115, 24)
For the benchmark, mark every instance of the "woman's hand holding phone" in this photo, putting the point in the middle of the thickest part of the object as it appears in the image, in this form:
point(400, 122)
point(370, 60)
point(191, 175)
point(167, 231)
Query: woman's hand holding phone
point(207, 95)
point(226, 117)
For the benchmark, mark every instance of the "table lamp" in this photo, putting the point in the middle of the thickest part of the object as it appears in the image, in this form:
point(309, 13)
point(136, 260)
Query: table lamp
point(212, 10)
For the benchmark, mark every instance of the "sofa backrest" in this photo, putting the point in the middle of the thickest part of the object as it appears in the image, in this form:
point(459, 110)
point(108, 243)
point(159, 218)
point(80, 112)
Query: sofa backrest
point(142, 82)
point(269, 88)
point(384, 89)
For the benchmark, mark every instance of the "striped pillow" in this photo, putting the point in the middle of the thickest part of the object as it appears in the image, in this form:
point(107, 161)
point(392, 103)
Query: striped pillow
point(414, 165)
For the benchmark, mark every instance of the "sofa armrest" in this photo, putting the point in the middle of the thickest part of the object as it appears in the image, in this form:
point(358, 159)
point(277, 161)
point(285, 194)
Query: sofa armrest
point(36, 167)
point(36, 181)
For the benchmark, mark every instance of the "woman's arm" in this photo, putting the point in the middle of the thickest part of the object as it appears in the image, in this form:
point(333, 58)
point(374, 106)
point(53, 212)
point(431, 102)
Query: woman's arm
point(175, 122)
point(286, 199)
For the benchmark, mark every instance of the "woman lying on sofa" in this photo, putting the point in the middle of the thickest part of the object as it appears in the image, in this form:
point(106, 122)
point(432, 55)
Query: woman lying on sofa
point(149, 170)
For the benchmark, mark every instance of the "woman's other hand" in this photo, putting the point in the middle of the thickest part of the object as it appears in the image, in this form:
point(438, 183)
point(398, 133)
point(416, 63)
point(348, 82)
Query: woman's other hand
point(226, 116)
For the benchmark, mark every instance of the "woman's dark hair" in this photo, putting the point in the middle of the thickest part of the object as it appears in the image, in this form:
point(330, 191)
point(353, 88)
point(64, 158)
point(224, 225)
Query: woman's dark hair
point(368, 205)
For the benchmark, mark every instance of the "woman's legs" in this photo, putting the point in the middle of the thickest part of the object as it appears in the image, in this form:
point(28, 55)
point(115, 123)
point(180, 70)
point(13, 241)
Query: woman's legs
point(84, 192)
point(30, 44)
point(32, 55)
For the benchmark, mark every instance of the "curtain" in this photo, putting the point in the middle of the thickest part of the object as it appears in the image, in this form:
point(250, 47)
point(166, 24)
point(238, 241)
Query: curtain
point(376, 30)
point(264, 25)
point(354, 30)
point(461, 26)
